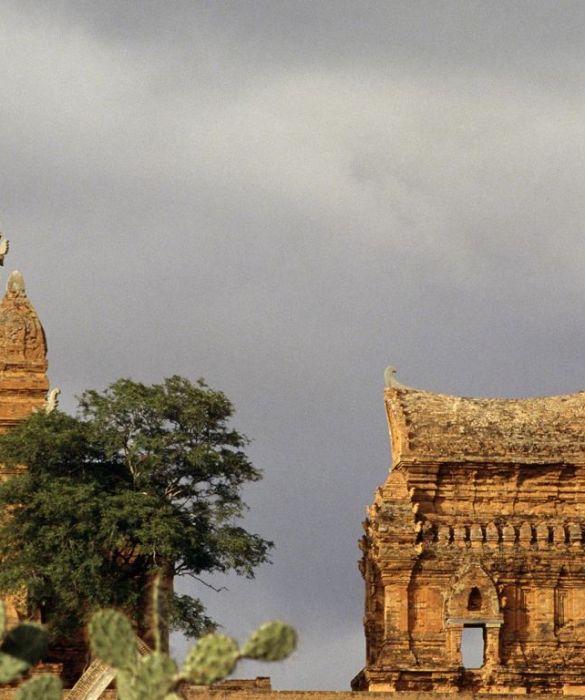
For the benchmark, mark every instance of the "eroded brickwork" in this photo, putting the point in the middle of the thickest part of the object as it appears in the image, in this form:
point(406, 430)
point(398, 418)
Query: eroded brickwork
point(481, 522)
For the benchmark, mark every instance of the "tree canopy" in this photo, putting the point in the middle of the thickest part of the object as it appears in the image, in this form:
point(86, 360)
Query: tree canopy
point(144, 479)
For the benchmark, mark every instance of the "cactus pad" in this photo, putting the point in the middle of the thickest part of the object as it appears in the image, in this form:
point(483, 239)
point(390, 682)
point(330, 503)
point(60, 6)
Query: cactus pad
point(112, 639)
point(27, 641)
point(43, 687)
point(212, 658)
point(11, 668)
point(272, 641)
point(154, 676)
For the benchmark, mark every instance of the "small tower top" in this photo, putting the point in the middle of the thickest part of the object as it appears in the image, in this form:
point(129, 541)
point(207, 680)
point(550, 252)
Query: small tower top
point(23, 352)
point(15, 283)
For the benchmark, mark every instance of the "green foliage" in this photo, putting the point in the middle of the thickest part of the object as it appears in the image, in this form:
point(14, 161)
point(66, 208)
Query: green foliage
point(145, 478)
point(156, 677)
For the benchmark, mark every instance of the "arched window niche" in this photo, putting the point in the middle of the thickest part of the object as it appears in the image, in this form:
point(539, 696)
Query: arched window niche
point(474, 601)
point(473, 618)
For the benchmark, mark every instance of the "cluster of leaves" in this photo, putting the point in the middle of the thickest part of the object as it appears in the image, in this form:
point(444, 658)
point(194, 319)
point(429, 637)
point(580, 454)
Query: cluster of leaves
point(144, 479)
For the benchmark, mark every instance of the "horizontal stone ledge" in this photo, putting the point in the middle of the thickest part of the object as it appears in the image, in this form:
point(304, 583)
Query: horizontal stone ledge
point(474, 621)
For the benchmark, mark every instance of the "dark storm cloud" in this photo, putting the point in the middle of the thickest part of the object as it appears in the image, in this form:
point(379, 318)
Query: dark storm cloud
point(449, 32)
point(285, 197)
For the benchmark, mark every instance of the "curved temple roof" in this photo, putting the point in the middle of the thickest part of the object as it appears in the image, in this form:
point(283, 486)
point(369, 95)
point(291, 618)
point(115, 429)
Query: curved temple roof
point(439, 427)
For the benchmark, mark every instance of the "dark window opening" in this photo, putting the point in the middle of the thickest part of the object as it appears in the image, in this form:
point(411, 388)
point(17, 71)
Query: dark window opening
point(473, 646)
point(474, 602)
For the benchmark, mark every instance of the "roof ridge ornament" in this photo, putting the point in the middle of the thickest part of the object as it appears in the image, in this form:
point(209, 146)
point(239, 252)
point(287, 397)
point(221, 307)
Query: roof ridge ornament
point(390, 380)
point(4, 247)
point(52, 400)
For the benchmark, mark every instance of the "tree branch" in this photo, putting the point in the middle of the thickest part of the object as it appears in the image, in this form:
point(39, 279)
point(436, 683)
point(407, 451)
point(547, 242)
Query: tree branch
point(213, 588)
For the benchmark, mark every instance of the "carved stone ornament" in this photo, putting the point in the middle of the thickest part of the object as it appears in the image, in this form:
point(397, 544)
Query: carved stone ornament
point(22, 338)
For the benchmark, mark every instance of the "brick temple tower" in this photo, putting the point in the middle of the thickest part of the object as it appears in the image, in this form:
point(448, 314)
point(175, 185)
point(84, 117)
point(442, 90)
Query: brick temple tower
point(23, 378)
point(480, 524)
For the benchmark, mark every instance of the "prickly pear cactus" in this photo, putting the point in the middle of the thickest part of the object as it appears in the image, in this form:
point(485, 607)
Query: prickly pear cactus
point(155, 677)
point(212, 658)
point(20, 648)
point(11, 668)
point(215, 656)
point(26, 641)
point(152, 678)
point(40, 688)
point(272, 641)
point(112, 639)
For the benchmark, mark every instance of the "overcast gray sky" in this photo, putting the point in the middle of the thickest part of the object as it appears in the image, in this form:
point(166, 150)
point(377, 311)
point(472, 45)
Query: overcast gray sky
point(284, 198)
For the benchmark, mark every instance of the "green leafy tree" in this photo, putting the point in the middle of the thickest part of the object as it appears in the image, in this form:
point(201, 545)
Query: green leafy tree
point(145, 479)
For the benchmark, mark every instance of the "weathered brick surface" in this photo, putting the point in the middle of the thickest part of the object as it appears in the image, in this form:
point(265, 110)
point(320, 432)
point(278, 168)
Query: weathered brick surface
point(480, 522)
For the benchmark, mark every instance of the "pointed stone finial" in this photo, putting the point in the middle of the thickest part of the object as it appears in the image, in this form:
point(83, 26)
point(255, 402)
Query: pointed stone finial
point(15, 282)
